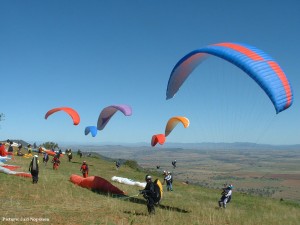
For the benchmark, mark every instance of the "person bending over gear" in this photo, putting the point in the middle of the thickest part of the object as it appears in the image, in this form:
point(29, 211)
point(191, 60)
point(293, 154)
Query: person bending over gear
point(226, 196)
point(149, 194)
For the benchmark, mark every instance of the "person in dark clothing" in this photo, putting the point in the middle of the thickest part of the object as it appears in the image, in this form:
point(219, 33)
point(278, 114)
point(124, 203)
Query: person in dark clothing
point(118, 164)
point(10, 148)
point(70, 155)
point(45, 158)
point(79, 153)
point(20, 146)
point(174, 163)
point(34, 169)
point(58, 153)
point(149, 194)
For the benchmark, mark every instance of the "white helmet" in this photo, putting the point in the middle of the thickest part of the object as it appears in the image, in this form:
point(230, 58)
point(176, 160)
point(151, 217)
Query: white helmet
point(148, 177)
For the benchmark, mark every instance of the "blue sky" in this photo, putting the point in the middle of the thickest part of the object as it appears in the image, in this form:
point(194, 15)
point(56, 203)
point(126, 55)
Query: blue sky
point(91, 54)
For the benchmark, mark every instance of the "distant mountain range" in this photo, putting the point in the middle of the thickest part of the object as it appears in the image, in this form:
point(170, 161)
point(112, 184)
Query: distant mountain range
point(232, 146)
point(194, 146)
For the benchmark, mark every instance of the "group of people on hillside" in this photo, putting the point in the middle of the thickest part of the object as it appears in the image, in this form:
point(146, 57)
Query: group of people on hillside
point(34, 164)
point(150, 192)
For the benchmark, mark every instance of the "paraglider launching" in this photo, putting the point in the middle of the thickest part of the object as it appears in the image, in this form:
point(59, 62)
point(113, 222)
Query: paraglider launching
point(257, 64)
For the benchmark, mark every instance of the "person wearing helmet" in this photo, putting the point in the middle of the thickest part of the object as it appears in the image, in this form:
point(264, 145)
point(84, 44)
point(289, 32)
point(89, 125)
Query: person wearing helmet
point(34, 169)
point(149, 194)
point(226, 196)
point(84, 169)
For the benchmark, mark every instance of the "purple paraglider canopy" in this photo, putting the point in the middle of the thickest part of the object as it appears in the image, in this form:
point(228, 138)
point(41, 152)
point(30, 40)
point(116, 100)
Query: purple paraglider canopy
point(109, 111)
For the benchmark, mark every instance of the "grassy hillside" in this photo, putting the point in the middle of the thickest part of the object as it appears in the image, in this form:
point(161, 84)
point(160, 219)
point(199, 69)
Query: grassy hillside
point(58, 200)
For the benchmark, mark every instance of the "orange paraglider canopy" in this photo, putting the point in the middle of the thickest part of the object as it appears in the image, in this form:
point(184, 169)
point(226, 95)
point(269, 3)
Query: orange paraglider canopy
point(75, 116)
point(172, 123)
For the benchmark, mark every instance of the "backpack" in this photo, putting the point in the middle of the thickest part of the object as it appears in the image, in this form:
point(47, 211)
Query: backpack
point(158, 189)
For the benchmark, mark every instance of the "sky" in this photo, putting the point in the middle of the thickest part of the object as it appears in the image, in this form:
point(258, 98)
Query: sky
point(88, 55)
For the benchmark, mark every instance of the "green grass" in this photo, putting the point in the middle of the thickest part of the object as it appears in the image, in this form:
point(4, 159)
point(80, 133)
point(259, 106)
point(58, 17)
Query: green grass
point(57, 199)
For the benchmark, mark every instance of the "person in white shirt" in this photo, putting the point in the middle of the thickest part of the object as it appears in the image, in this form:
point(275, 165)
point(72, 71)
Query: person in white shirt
point(169, 180)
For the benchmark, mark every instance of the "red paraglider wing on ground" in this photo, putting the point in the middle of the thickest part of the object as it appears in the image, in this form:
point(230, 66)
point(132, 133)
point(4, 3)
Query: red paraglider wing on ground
point(96, 183)
point(23, 175)
point(11, 167)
